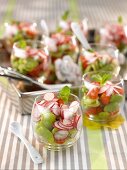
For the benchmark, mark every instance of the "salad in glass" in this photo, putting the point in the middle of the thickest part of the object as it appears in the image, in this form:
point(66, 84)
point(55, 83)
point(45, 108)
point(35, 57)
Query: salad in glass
point(18, 30)
point(102, 96)
point(114, 33)
point(30, 58)
point(99, 57)
point(56, 119)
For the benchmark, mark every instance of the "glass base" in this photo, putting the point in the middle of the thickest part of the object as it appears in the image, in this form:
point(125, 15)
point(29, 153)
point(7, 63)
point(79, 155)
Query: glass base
point(102, 121)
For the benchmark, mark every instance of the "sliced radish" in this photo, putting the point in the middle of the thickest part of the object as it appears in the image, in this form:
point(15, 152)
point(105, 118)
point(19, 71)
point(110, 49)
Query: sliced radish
point(65, 126)
point(49, 96)
point(60, 136)
point(41, 102)
point(55, 109)
point(67, 114)
point(66, 122)
point(74, 106)
point(79, 123)
point(56, 125)
point(75, 120)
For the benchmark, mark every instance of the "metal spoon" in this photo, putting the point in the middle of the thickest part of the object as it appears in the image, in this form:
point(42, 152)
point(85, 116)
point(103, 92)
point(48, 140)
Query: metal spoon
point(79, 34)
point(8, 72)
point(16, 129)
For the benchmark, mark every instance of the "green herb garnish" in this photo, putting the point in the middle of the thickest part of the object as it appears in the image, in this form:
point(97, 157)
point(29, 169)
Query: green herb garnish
point(64, 93)
point(65, 15)
point(102, 79)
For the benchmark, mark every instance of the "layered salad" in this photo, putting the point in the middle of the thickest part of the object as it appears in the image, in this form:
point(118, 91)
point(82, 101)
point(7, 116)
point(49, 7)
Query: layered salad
point(30, 58)
point(114, 33)
point(17, 30)
point(56, 119)
point(105, 59)
point(102, 96)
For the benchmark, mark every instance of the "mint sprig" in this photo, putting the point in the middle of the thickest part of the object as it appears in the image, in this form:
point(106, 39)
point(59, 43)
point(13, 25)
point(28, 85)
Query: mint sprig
point(102, 79)
point(64, 94)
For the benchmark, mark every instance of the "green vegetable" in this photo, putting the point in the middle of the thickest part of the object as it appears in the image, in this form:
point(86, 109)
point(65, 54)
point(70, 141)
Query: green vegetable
point(45, 134)
point(54, 130)
point(112, 107)
point(64, 93)
point(24, 65)
point(91, 50)
point(72, 133)
point(116, 98)
point(48, 119)
point(87, 102)
point(103, 115)
point(22, 44)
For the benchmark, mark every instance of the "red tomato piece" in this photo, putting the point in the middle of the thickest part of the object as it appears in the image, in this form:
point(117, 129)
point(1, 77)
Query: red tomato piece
point(93, 94)
point(105, 99)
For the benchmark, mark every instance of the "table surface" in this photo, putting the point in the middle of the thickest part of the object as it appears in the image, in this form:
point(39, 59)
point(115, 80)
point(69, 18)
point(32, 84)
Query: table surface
point(96, 149)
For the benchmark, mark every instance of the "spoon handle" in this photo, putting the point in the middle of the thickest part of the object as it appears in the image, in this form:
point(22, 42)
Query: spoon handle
point(35, 156)
point(79, 34)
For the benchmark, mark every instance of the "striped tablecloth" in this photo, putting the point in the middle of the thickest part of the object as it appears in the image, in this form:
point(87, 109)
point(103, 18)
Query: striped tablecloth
point(95, 150)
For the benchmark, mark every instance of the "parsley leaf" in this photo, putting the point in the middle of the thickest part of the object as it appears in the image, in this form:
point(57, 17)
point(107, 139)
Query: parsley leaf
point(65, 15)
point(64, 93)
point(22, 44)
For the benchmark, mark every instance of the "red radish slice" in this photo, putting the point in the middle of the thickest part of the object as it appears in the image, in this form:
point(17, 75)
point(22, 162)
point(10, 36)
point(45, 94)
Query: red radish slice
point(41, 102)
point(65, 126)
point(74, 106)
point(67, 114)
point(49, 96)
point(76, 118)
point(66, 122)
point(60, 136)
point(55, 109)
point(56, 125)
point(79, 123)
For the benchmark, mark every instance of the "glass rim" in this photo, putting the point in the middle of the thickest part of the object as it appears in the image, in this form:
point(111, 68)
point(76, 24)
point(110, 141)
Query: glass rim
point(120, 79)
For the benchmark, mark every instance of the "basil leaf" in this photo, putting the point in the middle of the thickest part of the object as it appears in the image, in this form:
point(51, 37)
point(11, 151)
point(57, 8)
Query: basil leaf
point(96, 78)
point(105, 78)
point(64, 93)
point(116, 98)
point(111, 107)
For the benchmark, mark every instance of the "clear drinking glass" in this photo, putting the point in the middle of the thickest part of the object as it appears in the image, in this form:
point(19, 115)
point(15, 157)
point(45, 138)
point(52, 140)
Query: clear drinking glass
point(102, 96)
point(56, 124)
point(30, 58)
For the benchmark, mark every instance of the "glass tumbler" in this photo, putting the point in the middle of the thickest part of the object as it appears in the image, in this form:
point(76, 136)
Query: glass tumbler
point(30, 58)
point(102, 96)
point(56, 124)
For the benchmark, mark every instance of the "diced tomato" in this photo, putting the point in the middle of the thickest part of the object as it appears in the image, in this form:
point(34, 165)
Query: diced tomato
point(36, 71)
point(83, 61)
point(105, 99)
point(60, 102)
point(93, 94)
point(60, 141)
point(91, 110)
